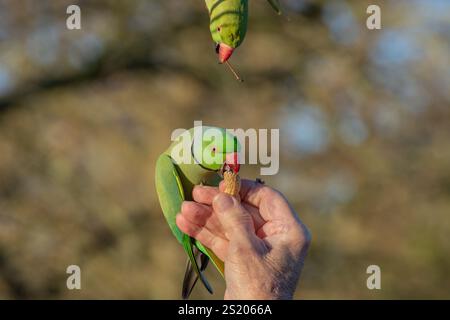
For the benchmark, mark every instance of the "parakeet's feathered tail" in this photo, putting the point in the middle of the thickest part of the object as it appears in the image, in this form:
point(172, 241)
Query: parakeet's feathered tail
point(190, 276)
point(193, 271)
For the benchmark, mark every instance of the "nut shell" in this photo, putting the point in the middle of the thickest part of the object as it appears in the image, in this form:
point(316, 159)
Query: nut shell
point(232, 183)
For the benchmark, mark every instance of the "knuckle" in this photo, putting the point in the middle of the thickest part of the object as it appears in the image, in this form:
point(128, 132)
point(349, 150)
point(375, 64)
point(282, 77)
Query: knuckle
point(239, 218)
point(267, 191)
point(301, 237)
point(240, 250)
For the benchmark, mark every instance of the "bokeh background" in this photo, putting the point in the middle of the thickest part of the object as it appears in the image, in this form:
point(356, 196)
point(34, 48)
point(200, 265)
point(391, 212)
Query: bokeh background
point(364, 124)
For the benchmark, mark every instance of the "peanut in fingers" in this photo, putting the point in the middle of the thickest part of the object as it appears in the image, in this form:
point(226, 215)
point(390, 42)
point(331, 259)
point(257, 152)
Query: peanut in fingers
point(232, 183)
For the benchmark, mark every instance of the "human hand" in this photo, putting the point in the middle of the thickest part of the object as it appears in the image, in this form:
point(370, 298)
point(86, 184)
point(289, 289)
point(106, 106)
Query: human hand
point(261, 240)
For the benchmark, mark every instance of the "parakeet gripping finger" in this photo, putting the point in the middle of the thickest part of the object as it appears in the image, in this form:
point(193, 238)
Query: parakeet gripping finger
point(228, 24)
point(206, 151)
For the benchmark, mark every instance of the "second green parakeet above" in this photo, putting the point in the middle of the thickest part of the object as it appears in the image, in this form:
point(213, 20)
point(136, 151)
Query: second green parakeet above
point(228, 24)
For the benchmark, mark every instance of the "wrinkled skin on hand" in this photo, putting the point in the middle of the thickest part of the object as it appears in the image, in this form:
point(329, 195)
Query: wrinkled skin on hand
point(261, 240)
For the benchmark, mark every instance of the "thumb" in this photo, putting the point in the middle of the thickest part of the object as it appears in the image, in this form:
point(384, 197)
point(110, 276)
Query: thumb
point(235, 219)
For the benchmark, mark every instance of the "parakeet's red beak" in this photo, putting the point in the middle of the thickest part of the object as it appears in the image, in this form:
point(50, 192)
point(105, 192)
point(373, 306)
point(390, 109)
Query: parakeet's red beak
point(232, 162)
point(225, 52)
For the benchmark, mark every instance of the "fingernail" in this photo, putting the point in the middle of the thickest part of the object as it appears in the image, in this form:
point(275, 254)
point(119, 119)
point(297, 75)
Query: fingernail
point(222, 202)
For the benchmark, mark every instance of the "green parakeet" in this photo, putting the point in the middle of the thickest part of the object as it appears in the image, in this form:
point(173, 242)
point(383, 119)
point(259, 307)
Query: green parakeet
point(198, 156)
point(228, 24)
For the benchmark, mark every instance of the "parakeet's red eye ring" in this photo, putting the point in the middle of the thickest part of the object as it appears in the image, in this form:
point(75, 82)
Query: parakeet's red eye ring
point(214, 149)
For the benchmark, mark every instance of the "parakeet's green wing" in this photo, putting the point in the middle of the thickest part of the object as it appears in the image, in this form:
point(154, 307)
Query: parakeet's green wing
point(171, 196)
point(170, 192)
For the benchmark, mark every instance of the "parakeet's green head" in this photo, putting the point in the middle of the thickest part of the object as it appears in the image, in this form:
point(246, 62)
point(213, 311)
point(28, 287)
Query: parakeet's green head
point(231, 36)
point(228, 25)
point(215, 149)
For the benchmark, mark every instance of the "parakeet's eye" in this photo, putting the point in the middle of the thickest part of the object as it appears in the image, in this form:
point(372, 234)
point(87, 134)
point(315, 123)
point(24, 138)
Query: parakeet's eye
point(218, 29)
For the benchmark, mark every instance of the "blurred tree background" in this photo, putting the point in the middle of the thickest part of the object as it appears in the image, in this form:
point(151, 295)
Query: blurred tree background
point(364, 124)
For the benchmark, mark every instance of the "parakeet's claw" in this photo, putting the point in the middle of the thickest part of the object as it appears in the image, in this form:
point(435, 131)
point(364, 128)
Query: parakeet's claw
point(258, 180)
